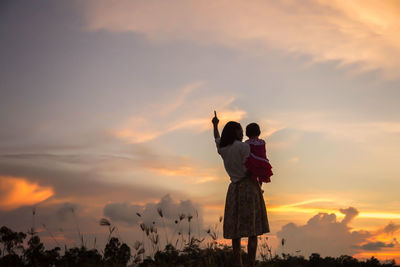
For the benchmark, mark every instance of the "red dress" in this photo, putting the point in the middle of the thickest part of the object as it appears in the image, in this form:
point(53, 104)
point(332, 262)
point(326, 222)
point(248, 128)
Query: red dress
point(257, 163)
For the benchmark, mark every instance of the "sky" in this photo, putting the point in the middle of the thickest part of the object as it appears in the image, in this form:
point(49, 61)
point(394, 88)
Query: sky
point(106, 108)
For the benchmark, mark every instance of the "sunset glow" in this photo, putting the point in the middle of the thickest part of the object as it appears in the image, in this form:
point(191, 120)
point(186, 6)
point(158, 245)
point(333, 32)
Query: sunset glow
point(17, 192)
point(310, 210)
point(106, 109)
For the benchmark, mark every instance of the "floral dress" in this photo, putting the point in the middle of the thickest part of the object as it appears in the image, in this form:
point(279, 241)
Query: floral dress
point(245, 213)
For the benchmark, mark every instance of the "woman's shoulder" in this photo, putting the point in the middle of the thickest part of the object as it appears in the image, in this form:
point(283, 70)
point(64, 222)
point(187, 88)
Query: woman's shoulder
point(242, 146)
point(240, 143)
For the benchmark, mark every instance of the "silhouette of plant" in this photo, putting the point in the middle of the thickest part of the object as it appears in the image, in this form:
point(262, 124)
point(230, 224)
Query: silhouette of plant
point(193, 252)
point(81, 257)
point(160, 213)
point(34, 254)
point(116, 254)
point(111, 229)
point(11, 240)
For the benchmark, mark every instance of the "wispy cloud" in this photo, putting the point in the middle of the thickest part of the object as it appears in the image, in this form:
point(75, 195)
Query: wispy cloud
point(177, 113)
point(356, 32)
point(332, 124)
point(376, 246)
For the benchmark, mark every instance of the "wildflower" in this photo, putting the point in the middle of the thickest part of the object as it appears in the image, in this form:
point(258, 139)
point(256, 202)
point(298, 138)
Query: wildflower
point(137, 245)
point(214, 236)
point(104, 222)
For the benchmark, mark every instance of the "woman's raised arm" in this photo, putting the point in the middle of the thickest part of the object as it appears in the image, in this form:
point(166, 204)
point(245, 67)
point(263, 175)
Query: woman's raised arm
point(215, 122)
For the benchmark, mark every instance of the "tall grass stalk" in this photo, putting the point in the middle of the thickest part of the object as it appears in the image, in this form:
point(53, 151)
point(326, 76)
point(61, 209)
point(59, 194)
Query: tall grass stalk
point(160, 213)
point(180, 233)
point(189, 217)
point(51, 234)
point(198, 224)
point(80, 236)
point(111, 229)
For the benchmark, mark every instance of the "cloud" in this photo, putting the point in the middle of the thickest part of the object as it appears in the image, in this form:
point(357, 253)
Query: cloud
point(65, 209)
point(350, 213)
point(178, 113)
point(169, 217)
point(324, 234)
point(336, 125)
point(19, 191)
point(294, 160)
point(63, 220)
point(113, 168)
point(123, 212)
point(86, 185)
point(328, 206)
point(59, 224)
point(362, 33)
point(171, 210)
point(391, 228)
point(54, 214)
point(376, 246)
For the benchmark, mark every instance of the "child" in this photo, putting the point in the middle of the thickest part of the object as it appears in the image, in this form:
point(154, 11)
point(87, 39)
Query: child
point(257, 163)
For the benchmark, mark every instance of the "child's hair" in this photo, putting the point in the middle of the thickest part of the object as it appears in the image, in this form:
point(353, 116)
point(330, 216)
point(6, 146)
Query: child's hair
point(252, 130)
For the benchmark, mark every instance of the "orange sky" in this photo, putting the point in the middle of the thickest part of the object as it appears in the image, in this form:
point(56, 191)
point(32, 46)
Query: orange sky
point(19, 191)
point(107, 112)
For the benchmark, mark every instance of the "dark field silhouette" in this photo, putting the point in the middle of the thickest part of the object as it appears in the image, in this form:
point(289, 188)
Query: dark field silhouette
point(185, 249)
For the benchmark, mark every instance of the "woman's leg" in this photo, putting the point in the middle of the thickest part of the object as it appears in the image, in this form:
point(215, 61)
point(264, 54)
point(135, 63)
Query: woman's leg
point(252, 250)
point(236, 252)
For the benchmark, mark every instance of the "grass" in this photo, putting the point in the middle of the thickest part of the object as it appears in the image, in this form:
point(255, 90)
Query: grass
point(182, 248)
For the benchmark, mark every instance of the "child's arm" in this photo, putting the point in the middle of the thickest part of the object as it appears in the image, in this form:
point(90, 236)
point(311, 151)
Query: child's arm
point(215, 122)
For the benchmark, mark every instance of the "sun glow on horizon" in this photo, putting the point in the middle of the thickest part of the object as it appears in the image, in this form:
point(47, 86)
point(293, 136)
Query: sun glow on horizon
point(299, 208)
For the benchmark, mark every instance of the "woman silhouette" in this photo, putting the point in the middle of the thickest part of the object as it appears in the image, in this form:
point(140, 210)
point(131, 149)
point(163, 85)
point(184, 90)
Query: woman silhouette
point(245, 213)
